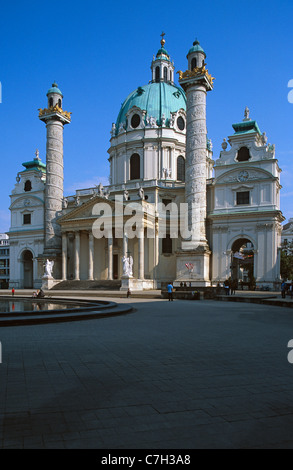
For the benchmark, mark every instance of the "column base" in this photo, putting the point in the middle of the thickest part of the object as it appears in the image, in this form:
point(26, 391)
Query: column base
point(49, 282)
point(194, 267)
point(135, 284)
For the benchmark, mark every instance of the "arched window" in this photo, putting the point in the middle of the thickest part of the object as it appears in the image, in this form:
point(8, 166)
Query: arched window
point(59, 103)
point(243, 154)
point(180, 168)
point(50, 102)
point(171, 76)
point(157, 77)
point(193, 63)
point(27, 185)
point(165, 74)
point(135, 166)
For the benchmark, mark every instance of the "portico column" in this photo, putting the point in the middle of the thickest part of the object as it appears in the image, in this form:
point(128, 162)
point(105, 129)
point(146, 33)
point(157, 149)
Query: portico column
point(35, 270)
point(64, 256)
point(141, 254)
point(125, 244)
point(110, 257)
point(91, 256)
point(77, 255)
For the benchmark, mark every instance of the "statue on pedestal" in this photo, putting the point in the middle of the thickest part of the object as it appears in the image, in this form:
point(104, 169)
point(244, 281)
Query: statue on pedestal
point(127, 266)
point(49, 268)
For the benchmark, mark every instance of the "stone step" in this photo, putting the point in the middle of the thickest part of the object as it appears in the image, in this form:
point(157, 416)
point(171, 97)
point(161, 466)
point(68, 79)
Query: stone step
point(87, 285)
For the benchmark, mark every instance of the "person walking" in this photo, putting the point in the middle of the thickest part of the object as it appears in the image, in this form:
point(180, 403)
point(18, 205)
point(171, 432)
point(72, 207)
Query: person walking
point(283, 289)
point(291, 290)
point(170, 291)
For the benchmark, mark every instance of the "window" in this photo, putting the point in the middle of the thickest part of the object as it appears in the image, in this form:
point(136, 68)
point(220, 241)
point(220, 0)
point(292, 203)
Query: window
point(135, 167)
point(166, 202)
point(27, 185)
point(59, 103)
point(193, 63)
point(50, 102)
point(135, 121)
point(165, 74)
point(242, 198)
point(181, 123)
point(26, 219)
point(180, 168)
point(157, 77)
point(167, 244)
point(243, 154)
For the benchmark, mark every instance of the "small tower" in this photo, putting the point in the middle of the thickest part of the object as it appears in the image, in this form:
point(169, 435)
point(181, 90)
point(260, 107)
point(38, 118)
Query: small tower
point(26, 231)
point(196, 56)
point(162, 67)
point(55, 118)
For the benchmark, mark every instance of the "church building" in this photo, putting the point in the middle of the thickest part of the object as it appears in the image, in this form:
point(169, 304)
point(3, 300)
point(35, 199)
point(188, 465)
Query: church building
point(202, 219)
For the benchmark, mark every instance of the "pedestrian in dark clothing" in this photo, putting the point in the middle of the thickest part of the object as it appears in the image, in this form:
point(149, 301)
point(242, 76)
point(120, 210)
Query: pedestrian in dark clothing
point(283, 289)
point(40, 294)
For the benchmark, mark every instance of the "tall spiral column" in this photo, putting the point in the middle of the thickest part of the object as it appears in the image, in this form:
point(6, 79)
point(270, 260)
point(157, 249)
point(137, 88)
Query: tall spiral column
point(196, 153)
point(195, 253)
point(55, 119)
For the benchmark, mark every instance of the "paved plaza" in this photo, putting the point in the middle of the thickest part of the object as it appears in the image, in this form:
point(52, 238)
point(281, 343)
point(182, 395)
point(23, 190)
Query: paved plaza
point(169, 375)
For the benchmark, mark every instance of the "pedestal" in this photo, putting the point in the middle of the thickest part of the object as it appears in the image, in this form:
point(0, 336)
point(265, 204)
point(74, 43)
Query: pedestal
point(198, 262)
point(135, 284)
point(49, 282)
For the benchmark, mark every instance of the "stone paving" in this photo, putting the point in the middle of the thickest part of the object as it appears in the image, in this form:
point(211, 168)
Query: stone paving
point(170, 375)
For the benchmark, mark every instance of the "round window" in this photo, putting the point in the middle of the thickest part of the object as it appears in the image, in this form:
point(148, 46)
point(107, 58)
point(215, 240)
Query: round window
point(135, 121)
point(181, 123)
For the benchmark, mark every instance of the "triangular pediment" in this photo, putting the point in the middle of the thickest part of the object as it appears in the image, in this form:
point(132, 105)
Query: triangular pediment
point(85, 210)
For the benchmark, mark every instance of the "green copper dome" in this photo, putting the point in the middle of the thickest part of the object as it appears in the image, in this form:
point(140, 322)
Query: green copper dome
point(54, 89)
point(156, 99)
point(162, 54)
point(196, 48)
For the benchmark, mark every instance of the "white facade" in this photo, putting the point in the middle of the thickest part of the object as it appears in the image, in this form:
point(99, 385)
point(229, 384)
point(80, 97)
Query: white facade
point(287, 232)
point(4, 261)
point(238, 233)
point(245, 205)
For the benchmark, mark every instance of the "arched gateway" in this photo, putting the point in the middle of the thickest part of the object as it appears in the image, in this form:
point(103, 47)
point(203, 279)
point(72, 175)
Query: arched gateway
point(242, 261)
point(27, 261)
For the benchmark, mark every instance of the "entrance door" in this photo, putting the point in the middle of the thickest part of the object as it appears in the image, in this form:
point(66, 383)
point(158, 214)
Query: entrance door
point(115, 267)
point(27, 269)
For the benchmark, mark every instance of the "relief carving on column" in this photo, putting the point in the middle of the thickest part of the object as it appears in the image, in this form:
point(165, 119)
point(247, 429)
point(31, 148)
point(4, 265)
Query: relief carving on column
point(197, 112)
point(198, 127)
point(197, 98)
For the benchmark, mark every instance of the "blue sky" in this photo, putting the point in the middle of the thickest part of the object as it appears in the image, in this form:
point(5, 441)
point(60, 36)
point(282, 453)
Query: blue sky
point(100, 51)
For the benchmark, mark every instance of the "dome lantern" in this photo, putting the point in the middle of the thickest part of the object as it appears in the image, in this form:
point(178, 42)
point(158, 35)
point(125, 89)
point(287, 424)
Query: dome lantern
point(162, 67)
